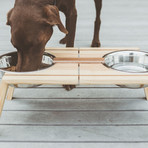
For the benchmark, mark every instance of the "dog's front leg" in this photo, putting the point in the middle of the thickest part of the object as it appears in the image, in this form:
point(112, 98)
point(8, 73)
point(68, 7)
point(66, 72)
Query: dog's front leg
point(70, 37)
point(71, 20)
point(71, 26)
point(96, 40)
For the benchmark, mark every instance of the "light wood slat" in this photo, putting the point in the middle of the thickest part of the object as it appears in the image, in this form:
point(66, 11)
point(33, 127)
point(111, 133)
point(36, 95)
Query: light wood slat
point(89, 80)
point(75, 104)
point(56, 70)
point(68, 49)
point(75, 118)
point(72, 145)
point(78, 60)
point(107, 48)
point(53, 80)
point(100, 52)
point(94, 54)
point(63, 53)
point(74, 133)
point(100, 70)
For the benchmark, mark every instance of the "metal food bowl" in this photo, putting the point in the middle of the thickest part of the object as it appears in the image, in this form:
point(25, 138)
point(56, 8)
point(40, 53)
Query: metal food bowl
point(9, 60)
point(128, 61)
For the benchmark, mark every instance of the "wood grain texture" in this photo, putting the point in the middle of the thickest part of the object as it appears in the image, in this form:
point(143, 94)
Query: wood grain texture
point(146, 92)
point(3, 93)
point(10, 93)
point(53, 80)
point(89, 80)
point(63, 52)
point(102, 70)
point(100, 52)
point(99, 74)
point(58, 69)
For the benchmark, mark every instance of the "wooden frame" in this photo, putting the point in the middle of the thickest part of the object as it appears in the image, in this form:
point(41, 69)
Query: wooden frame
point(80, 68)
point(3, 93)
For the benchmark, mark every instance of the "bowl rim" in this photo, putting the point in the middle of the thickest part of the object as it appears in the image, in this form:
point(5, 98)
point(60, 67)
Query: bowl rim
point(28, 72)
point(123, 70)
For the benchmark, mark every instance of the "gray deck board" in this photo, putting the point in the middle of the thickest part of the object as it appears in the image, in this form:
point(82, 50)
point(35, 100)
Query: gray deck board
point(76, 104)
point(81, 118)
point(74, 133)
point(84, 117)
point(73, 145)
point(80, 93)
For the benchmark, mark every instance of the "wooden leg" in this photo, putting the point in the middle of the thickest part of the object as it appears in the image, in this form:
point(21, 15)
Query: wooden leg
point(3, 92)
point(10, 93)
point(146, 92)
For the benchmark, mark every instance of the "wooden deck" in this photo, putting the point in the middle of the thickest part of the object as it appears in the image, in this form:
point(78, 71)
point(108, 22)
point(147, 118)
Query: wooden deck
point(88, 116)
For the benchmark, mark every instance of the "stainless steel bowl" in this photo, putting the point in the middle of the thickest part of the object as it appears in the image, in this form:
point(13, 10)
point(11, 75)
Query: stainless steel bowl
point(10, 60)
point(128, 61)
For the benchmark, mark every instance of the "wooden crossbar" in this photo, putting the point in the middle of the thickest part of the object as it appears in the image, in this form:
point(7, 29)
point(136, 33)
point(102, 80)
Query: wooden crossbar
point(78, 60)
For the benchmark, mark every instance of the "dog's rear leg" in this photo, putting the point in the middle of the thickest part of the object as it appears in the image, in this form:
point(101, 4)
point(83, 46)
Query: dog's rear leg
point(96, 40)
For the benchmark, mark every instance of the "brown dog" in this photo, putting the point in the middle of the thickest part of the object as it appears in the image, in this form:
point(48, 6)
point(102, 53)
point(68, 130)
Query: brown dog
point(31, 24)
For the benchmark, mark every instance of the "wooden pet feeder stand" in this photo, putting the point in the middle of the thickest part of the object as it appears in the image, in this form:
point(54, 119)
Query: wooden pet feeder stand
point(73, 66)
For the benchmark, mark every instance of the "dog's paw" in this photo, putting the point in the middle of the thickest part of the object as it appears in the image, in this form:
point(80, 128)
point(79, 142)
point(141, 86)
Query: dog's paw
point(69, 87)
point(95, 44)
point(63, 41)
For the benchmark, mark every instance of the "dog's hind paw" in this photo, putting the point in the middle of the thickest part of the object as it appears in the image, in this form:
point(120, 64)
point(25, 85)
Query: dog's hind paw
point(69, 87)
point(95, 44)
point(63, 41)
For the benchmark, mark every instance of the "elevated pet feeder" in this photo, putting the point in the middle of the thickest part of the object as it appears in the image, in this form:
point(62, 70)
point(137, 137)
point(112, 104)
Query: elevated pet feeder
point(125, 67)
